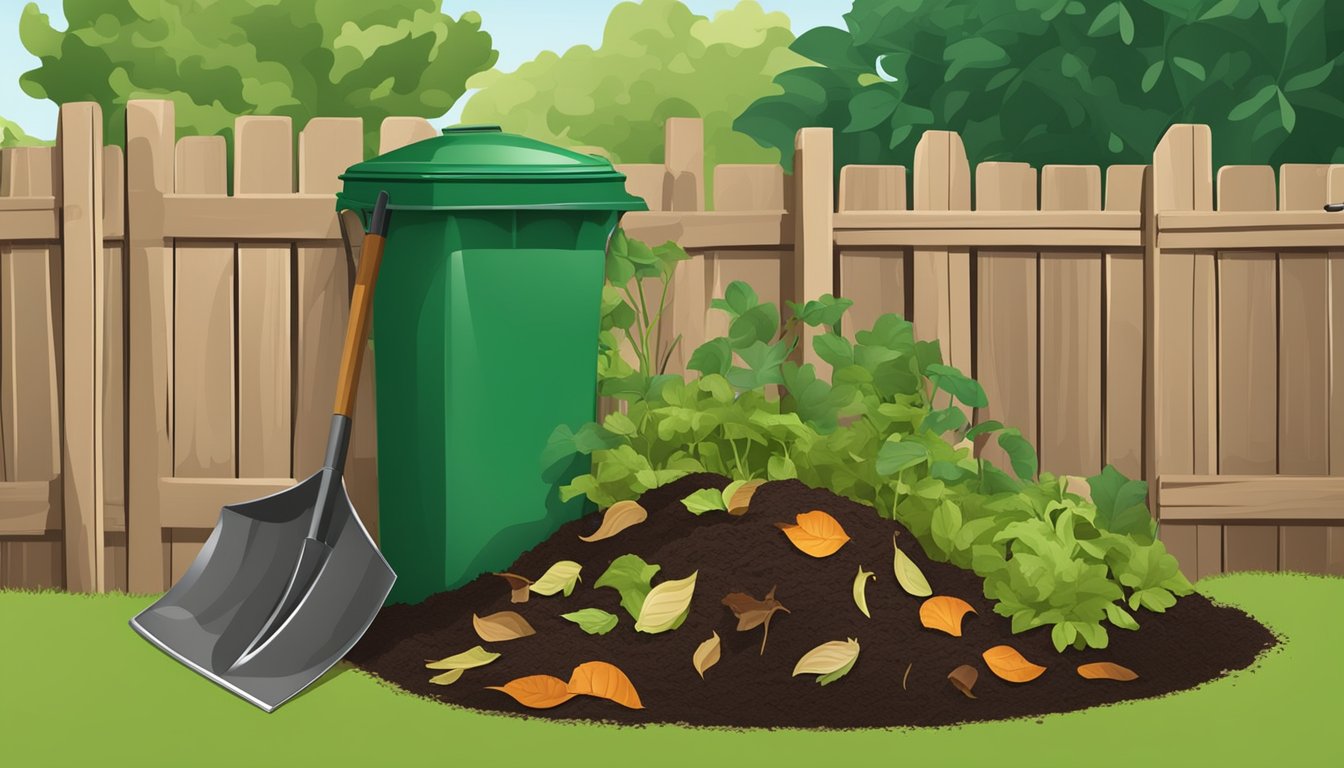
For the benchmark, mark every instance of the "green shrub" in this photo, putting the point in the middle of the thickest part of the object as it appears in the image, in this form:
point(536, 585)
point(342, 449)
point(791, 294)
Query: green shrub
point(888, 430)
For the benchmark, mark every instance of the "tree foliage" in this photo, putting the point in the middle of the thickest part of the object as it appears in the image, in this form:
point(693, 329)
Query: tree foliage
point(657, 60)
point(1065, 81)
point(218, 60)
point(11, 135)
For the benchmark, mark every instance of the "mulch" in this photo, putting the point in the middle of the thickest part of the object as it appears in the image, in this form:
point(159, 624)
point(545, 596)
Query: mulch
point(1192, 643)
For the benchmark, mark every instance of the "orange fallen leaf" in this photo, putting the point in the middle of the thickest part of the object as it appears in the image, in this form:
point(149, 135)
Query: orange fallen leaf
point(944, 613)
point(741, 498)
point(816, 533)
point(536, 691)
point(605, 681)
point(617, 518)
point(1105, 670)
point(1008, 664)
point(498, 627)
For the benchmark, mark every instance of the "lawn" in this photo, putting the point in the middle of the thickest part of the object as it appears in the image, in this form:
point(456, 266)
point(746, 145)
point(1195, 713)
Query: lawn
point(81, 688)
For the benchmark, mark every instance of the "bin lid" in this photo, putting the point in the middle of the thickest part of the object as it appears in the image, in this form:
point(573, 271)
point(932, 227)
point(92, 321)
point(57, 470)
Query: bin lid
point(481, 167)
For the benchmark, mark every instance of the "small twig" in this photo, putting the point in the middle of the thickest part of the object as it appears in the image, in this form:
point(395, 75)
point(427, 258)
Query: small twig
point(907, 675)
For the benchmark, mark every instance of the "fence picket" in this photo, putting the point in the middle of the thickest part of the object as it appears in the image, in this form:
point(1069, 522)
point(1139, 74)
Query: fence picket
point(1335, 534)
point(1071, 335)
point(1304, 364)
point(1123, 365)
point(942, 278)
point(744, 188)
point(1008, 310)
point(113, 393)
point(875, 280)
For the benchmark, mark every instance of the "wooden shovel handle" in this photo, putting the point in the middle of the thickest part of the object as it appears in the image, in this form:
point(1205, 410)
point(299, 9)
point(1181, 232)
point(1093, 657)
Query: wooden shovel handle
point(361, 310)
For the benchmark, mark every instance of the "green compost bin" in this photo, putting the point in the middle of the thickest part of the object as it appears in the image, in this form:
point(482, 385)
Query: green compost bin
point(486, 316)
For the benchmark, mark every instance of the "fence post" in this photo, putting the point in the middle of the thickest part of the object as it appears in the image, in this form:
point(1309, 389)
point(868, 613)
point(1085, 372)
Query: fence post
point(150, 128)
point(813, 229)
point(80, 144)
point(942, 278)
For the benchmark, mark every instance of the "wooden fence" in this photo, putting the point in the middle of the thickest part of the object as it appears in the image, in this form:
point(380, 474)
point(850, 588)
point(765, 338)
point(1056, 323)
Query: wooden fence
point(177, 352)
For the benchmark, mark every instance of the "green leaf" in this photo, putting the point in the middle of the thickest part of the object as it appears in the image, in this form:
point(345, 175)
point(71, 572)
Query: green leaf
point(951, 380)
point(989, 425)
point(618, 423)
point(757, 324)
point(944, 420)
point(1115, 144)
point(1194, 68)
point(837, 674)
point(1126, 25)
point(715, 356)
point(945, 524)
point(1286, 111)
point(763, 361)
point(1310, 79)
point(972, 53)
point(1223, 8)
point(781, 468)
point(559, 577)
point(1020, 453)
point(594, 621)
point(1151, 74)
point(1252, 105)
point(1106, 22)
point(1120, 617)
point(630, 576)
point(704, 500)
point(825, 311)
point(1122, 504)
point(895, 456)
point(738, 297)
point(869, 107)
point(833, 349)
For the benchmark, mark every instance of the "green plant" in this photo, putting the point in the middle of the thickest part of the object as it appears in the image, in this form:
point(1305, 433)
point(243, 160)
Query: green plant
point(888, 430)
point(630, 315)
point(1065, 81)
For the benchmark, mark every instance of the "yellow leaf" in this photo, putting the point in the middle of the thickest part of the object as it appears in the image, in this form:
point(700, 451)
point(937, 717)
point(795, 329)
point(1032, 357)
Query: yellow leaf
point(1008, 664)
point(816, 533)
point(908, 574)
point(707, 655)
point(605, 681)
point(560, 576)
point(963, 678)
point(476, 657)
point(828, 658)
point(617, 518)
point(498, 627)
point(861, 590)
point(944, 613)
point(447, 678)
point(536, 691)
point(1105, 670)
point(741, 498)
point(665, 604)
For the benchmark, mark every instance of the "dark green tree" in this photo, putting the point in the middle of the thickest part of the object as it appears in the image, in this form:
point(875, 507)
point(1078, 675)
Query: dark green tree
point(1063, 81)
point(218, 60)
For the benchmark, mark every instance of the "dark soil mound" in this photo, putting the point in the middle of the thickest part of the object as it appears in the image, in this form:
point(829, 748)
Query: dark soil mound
point(1193, 642)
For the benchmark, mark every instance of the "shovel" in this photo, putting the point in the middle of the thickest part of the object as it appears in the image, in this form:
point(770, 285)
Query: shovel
point(286, 584)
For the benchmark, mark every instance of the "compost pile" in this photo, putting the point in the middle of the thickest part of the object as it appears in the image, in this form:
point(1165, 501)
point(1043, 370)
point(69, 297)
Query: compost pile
point(905, 673)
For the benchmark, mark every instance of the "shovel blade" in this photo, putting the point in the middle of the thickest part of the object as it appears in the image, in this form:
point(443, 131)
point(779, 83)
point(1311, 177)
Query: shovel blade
point(211, 616)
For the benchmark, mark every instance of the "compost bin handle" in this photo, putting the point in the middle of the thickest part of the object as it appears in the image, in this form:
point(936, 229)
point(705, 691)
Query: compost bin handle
point(361, 309)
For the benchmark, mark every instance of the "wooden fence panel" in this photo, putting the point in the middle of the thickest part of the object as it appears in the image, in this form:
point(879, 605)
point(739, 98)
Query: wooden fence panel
point(1335, 534)
point(1304, 365)
point(744, 188)
point(30, 359)
point(645, 180)
point(684, 190)
point(813, 269)
point(204, 401)
point(875, 280)
point(942, 277)
point(1248, 418)
point(1071, 336)
point(114, 351)
point(1007, 311)
point(264, 163)
point(1124, 333)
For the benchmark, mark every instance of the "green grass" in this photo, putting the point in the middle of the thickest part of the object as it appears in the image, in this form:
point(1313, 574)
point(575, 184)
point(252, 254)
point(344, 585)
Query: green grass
point(79, 687)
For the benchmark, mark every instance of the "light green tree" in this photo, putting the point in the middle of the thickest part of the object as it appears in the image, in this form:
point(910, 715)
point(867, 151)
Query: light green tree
point(218, 60)
point(11, 135)
point(657, 60)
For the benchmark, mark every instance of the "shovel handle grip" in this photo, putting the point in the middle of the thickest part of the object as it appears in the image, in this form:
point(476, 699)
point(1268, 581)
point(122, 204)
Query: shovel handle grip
point(361, 310)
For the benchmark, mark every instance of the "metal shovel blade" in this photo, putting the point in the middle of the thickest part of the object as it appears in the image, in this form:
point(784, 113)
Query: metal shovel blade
point(211, 617)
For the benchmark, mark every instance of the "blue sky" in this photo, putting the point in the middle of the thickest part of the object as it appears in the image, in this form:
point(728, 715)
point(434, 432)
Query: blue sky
point(520, 29)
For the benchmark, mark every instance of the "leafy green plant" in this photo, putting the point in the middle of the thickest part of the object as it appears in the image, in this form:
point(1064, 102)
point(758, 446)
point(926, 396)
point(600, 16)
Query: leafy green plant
point(889, 429)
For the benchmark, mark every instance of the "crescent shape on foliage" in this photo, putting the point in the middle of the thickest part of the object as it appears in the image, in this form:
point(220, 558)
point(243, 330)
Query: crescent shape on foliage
point(881, 74)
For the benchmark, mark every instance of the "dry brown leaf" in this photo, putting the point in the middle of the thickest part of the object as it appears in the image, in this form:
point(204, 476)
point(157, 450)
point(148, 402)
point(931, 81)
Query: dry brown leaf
point(707, 655)
point(752, 613)
point(964, 678)
point(536, 691)
point(519, 585)
point(617, 518)
point(498, 627)
point(816, 533)
point(1008, 664)
point(1105, 670)
point(741, 498)
point(605, 681)
point(944, 613)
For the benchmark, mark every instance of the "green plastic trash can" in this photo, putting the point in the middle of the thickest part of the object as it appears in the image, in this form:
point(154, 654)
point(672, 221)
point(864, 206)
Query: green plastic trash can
point(486, 317)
